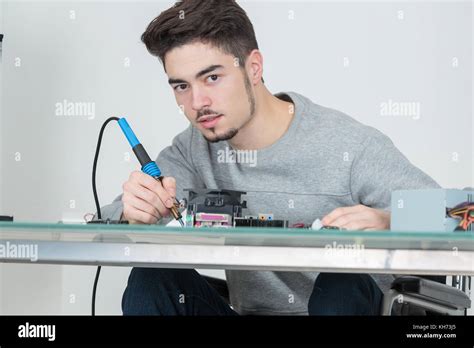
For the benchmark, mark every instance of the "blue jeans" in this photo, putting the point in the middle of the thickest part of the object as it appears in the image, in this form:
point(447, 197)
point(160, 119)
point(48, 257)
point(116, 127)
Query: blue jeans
point(161, 291)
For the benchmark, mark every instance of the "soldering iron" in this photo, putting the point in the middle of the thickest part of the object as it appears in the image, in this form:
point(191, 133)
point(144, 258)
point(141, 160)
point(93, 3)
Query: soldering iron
point(148, 166)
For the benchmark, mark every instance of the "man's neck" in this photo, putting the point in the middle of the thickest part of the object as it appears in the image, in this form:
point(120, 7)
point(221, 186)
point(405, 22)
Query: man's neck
point(271, 121)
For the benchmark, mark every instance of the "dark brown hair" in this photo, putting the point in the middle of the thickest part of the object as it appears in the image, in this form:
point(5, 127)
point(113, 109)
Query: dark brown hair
point(222, 23)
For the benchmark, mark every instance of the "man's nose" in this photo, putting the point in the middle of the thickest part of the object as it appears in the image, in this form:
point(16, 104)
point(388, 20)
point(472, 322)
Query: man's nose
point(200, 99)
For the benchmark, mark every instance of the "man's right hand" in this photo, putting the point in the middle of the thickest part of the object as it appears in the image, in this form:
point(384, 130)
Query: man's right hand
point(145, 199)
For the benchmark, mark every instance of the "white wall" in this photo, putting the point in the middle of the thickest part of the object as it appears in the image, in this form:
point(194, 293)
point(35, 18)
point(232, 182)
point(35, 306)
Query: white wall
point(1, 80)
point(79, 51)
point(1, 152)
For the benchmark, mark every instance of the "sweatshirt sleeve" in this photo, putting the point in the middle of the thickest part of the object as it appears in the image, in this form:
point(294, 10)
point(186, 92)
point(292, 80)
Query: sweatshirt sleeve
point(381, 168)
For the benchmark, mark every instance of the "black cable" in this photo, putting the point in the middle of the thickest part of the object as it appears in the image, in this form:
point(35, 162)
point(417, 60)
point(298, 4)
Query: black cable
point(96, 199)
point(94, 289)
point(94, 166)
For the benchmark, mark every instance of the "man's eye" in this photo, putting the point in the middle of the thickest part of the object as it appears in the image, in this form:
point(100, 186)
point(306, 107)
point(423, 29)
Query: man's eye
point(213, 78)
point(181, 87)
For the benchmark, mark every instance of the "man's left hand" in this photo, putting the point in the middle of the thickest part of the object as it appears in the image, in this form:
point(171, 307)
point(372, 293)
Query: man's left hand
point(358, 217)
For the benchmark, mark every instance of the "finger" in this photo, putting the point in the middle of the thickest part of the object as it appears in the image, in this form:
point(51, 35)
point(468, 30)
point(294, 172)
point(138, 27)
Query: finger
point(369, 220)
point(143, 179)
point(137, 190)
point(347, 219)
point(335, 214)
point(353, 225)
point(330, 218)
point(153, 185)
point(169, 183)
point(153, 199)
point(147, 195)
point(164, 195)
point(139, 216)
point(342, 220)
point(142, 205)
point(149, 183)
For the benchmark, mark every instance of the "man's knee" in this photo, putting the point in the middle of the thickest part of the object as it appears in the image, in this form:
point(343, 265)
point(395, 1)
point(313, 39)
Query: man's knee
point(150, 290)
point(153, 277)
point(343, 280)
point(345, 294)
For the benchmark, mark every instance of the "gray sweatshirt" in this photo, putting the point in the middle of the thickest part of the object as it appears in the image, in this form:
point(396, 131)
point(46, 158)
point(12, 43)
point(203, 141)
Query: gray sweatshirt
point(325, 160)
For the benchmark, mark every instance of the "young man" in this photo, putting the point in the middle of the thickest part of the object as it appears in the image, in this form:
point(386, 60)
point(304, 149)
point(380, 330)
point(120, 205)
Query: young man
point(308, 162)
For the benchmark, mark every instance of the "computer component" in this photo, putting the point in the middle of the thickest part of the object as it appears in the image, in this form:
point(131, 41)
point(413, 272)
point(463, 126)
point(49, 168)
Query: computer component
point(432, 210)
point(212, 220)
point(264, 217)
point(224, 208)
point(213, 208)
point(251, 222)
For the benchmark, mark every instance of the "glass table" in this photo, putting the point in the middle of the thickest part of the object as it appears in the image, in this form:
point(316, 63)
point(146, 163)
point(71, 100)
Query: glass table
point(274, 249)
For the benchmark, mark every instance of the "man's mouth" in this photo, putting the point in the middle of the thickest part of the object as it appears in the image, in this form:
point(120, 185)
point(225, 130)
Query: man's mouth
point(209, 121)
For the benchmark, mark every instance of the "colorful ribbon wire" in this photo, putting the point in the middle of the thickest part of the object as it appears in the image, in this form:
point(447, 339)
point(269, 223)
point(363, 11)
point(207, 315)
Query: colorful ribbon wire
point(463, 212)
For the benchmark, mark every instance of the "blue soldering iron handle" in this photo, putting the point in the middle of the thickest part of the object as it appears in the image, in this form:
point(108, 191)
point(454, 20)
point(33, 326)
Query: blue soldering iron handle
point(148, 166)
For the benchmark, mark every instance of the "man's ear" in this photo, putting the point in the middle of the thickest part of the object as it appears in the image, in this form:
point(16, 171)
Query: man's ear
point(254, 66)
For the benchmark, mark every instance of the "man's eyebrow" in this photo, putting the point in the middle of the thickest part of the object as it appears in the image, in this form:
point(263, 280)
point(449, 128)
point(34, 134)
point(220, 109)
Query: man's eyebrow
point(198, 75)
point(208, 70)
point(173, 81)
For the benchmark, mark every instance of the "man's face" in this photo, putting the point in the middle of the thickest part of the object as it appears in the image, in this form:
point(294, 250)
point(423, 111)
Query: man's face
point(216, 95)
